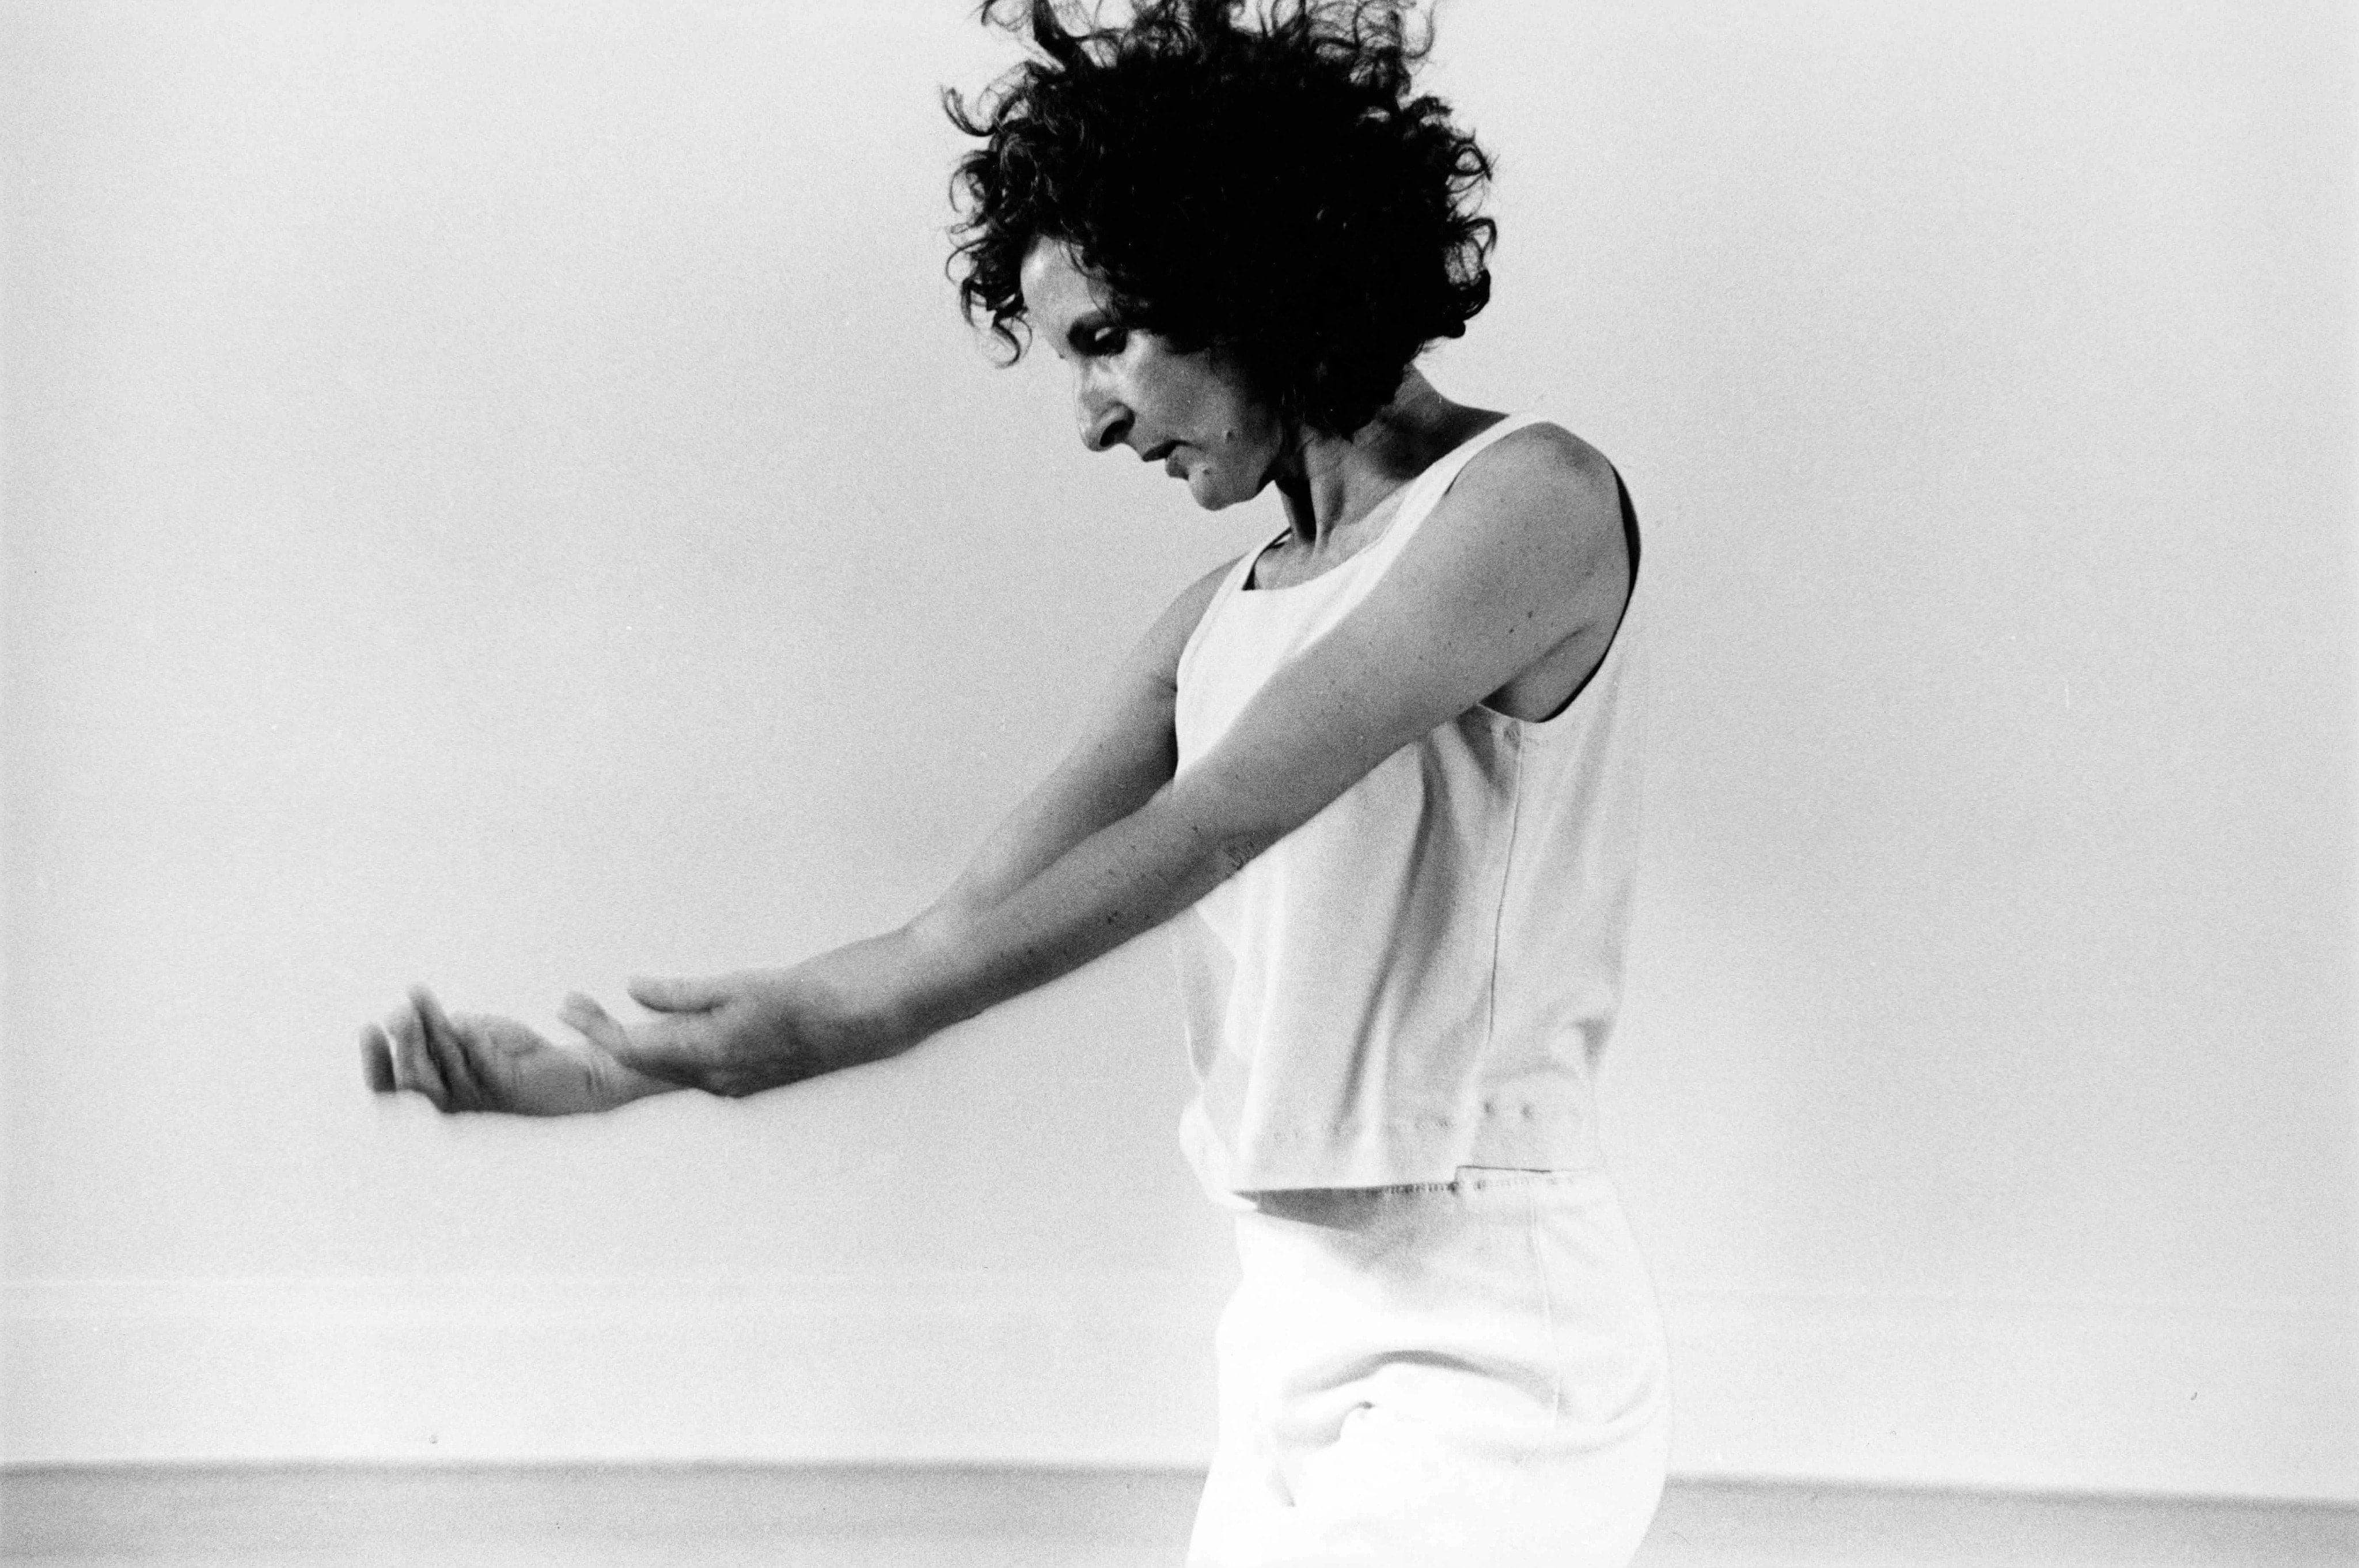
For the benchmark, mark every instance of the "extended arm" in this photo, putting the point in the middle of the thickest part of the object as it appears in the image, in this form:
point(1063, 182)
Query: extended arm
point(797, 1022)
point(1124, 754)
point(1524, 555)
point(758, 1029)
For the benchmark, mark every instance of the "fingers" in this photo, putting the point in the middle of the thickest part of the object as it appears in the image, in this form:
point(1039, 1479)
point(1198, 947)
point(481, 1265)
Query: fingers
point(376, 1060)
point(678, 996)
point(413, 1065)
point(474, 1064)
point(635, 1060)
point(593, 1022)
point(463, 1088)
point(667, 1050)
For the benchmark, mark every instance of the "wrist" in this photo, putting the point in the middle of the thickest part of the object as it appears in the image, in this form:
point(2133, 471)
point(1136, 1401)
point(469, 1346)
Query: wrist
point(935, 957)
point(612, 1084)
point(873, 998)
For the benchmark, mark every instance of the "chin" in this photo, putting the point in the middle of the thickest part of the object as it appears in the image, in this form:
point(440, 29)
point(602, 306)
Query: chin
point(1213, 491)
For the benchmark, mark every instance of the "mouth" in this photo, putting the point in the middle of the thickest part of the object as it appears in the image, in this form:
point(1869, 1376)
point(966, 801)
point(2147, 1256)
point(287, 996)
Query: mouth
point(1156, 454)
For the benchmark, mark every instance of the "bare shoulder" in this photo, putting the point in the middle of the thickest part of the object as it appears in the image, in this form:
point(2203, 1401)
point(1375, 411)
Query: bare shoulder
point(1534, 554)
point(1547, 470)
point(1541, 504)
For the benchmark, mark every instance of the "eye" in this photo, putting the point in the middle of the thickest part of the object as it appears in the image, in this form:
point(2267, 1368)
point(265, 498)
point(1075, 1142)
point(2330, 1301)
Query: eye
point(1100, 339)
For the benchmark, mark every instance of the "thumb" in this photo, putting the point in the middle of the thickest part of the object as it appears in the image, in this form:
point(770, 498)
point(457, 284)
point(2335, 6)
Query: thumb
point(678, 996)
point(646, 1049)
point(664, 1048)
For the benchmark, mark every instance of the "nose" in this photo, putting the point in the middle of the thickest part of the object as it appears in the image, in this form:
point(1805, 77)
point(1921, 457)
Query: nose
point(1104, 420)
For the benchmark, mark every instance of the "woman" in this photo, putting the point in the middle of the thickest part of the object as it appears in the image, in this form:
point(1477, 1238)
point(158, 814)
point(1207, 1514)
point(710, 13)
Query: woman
point(1382, 770)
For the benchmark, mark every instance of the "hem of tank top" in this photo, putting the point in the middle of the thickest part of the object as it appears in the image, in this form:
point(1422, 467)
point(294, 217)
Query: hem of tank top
point(1574, 1135)
point(1466, 1177)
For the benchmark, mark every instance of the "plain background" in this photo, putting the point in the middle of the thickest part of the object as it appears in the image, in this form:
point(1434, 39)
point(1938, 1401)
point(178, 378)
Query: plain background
point(501, 496)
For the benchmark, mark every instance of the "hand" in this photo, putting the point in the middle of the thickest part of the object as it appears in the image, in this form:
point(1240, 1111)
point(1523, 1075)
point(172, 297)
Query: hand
point(482, 1063)
point(740, 1033)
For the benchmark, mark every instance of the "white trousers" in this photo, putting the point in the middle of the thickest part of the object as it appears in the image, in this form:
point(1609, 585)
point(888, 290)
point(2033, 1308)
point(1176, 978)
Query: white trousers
point(1464, 1373)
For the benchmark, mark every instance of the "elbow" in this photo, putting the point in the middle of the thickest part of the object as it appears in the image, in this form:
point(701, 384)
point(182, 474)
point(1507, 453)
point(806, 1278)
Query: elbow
point(1234, 848)
point(1226, 839)
point(1234, 853)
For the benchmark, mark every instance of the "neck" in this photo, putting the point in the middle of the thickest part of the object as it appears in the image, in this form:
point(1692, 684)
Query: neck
point(1328, 482)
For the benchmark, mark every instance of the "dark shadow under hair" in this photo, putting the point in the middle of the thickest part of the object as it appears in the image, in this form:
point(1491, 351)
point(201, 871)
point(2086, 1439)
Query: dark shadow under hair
point(1266, 187)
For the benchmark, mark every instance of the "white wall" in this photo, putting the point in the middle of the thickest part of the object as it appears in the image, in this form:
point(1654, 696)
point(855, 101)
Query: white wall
point(501, 496)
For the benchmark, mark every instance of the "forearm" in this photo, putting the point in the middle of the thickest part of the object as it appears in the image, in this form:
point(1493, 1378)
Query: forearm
point(1104, 780)
point(1124, 754)
point(1025, 846)
point(965, 955)
point(758, 1029)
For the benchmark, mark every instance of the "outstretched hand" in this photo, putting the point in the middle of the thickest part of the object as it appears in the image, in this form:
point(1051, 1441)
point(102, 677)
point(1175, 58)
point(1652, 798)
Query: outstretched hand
point(735, 1034)
point(476, 1063)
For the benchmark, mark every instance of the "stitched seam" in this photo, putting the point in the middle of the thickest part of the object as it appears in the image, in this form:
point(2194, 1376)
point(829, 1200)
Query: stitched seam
point(1548, 1311)
point(1499, 904)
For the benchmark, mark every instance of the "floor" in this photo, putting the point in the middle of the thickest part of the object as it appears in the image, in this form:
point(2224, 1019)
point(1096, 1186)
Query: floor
point(873, 1517)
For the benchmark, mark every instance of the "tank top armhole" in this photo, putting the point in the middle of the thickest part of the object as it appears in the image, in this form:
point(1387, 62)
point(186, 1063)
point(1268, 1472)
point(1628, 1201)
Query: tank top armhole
point(1630, 544)
point(1629, 532)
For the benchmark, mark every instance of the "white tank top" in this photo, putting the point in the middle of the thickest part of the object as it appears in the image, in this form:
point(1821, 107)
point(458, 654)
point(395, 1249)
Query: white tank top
point(1422, 975)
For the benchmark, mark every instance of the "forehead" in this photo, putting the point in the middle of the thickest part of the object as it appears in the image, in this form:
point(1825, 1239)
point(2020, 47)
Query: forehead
point(1056, 291)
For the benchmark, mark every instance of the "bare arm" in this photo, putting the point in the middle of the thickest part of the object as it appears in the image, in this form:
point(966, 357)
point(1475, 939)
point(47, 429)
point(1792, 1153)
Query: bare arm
point(1524, 555)
point(1124, 754)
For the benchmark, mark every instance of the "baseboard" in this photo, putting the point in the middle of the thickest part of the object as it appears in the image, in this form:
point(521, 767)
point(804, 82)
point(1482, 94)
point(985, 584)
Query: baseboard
point(1070, 1370)
point(124, 1516)
point(1115, 1371)
point(2239, 1400)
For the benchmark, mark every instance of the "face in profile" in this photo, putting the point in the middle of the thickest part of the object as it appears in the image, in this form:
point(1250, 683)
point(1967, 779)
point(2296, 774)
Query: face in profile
point(1192, 413)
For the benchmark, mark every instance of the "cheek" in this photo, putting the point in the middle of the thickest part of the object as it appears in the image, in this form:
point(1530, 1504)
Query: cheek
point(1249, 440)
point(1234, 424)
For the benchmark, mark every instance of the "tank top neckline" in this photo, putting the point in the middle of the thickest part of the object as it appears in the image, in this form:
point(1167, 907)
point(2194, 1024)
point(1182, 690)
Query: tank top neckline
point(1402, 524)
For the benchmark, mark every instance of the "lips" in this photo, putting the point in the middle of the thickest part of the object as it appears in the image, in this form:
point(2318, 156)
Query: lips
point(1156, 454)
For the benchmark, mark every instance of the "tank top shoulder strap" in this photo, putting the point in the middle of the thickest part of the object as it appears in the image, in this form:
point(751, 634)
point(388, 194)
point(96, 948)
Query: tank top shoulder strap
point(1231, 586)
point(1425, 491)
point(1418, 498)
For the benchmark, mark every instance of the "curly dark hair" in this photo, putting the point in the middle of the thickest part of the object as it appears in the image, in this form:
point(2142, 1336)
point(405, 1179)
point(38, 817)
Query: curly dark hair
point(1272, 192)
